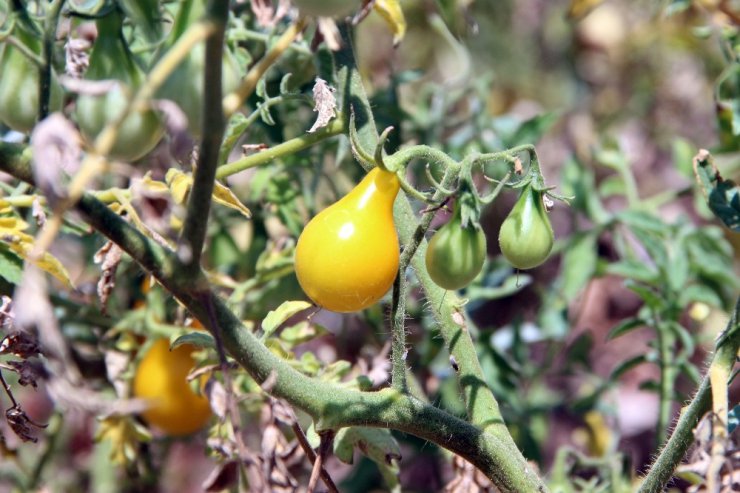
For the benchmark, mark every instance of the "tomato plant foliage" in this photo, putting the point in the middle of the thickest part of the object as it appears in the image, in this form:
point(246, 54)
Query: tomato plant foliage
point(260, 235)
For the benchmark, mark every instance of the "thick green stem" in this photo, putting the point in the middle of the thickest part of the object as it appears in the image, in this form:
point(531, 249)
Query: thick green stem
point(398, 332)
point(667, 381)
point(683, 435)
point(213, 124)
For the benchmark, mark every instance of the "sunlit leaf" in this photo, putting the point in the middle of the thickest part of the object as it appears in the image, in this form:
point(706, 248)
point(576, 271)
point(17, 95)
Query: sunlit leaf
point(391, 12)
point(276, 317)
point(197, 339)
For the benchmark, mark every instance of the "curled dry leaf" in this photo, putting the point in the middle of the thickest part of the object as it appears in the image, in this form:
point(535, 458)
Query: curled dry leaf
point(19, 422)
point(324, 103)
point(37, 210)
point(29, 371)
point(77, 56)
point(223, 477)
point(266, 14)
point(468, 479)
point(21, 344)
point(109, 256)
point(6, 314)
point(56, 148)
point(34, 311)
point(217, 397)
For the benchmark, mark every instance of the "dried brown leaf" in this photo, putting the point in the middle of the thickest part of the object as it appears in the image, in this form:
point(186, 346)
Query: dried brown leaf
point(223, 477)
point(21, 344)
point(324, 103)
point(57, 151)
point(109, 256)
point(77, 57)
point(29, 371)
point(21, 424)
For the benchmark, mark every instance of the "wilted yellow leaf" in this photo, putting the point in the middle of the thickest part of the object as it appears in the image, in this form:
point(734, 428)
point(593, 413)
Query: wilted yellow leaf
point(391, 11)
point(152, 185)
point(179, 184)
point(224, 196)
point(22, 244)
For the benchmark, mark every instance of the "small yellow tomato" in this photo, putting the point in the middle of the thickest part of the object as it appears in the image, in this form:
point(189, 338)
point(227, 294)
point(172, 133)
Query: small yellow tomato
point(161, 379)
point(347, 256)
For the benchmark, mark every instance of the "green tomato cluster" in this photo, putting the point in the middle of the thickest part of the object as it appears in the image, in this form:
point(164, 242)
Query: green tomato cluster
point(456, 253)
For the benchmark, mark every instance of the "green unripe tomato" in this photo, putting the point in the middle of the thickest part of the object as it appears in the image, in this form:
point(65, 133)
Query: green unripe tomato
point(19, 85)
point(328, 8)
point(526, 235)
point(455, 254)
point(111, 60)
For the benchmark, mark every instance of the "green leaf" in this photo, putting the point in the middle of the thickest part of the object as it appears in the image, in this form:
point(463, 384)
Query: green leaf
point(691, 371)
point(197, 339)
point(11, 266)
point(309, 364)
point(699, 293)
point(579, 263)
point(687, 340)
point(301, 332)
point(650, 385)
point(612, 158)
point(532, 130)
point(612, 186)
point(642, 220)
point(333, 372)
point(632, 269)
point(652, 298)
point(378, 444)
point(275, 318)
point(677, 269)
point(512, 284)
point(627, 365)
point(624, 327)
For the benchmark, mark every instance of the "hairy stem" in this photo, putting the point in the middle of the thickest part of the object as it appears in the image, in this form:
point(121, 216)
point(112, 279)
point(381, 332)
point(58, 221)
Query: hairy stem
point(667, 380)
point(683, 435)
point(213, 124)
point(284, 149)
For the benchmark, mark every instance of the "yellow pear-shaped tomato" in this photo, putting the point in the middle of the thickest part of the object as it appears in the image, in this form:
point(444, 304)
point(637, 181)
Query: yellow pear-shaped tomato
point(161, 379)
point(526, 235)
point(347, 257)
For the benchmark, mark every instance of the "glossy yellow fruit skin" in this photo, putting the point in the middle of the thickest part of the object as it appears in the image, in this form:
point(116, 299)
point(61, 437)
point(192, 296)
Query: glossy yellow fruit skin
point(161, 379)
point(347, 256)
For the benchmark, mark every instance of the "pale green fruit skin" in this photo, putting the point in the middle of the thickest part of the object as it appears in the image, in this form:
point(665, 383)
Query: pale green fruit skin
point(111, 59)
point(328, 8)
point(19, 89)
point(185, 85)
point(455, 255)
point(138, 134)
point(526, 236)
